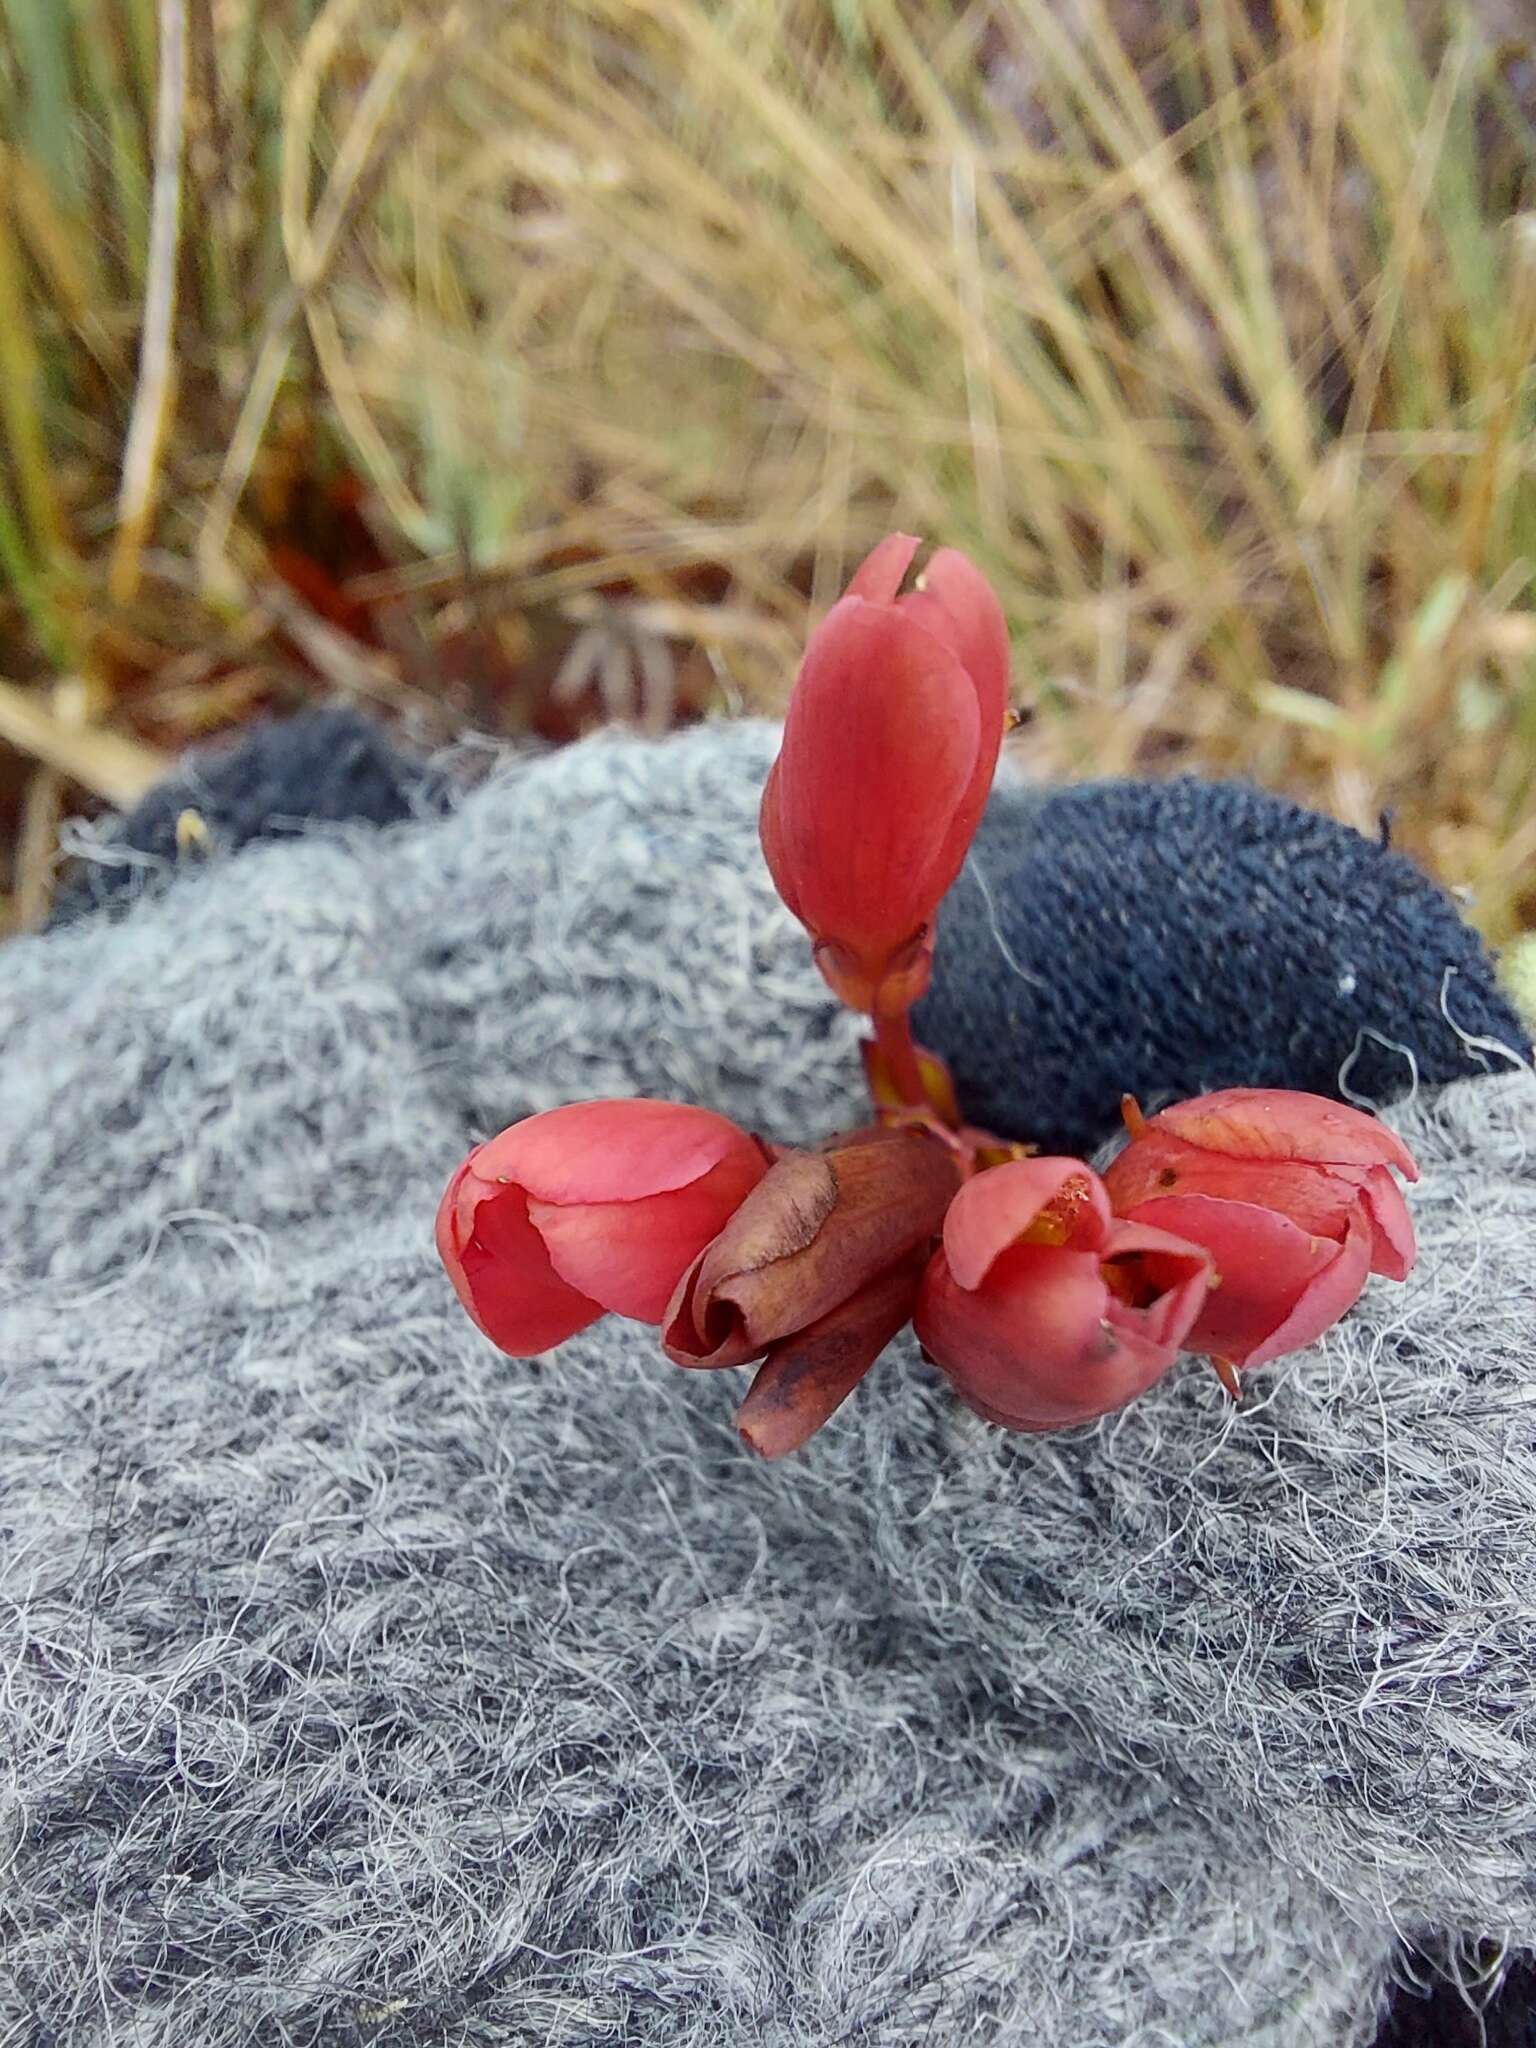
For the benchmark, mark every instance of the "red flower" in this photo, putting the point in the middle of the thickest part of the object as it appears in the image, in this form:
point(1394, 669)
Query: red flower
point(1291, 1195)
point(598, 1206)
point(1042, 1309)
point(814, 1274)
point(890, 744)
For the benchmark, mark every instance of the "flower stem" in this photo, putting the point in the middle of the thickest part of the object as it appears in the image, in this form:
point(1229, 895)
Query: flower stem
point(893, 1035)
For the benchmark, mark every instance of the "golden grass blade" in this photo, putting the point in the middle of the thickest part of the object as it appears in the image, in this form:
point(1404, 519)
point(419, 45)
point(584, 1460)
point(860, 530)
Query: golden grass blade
point(107, 763)
point(37, 848)
point(154, 397)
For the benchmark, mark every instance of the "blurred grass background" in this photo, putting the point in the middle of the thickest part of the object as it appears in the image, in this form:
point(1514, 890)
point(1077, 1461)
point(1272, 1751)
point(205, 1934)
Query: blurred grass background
point(523, 366)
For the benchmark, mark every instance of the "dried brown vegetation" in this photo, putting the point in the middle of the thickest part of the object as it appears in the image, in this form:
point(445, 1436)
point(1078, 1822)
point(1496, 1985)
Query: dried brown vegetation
point(524, 364)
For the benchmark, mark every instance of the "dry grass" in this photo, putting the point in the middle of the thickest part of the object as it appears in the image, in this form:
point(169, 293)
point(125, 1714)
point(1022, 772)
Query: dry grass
point(1206, 329)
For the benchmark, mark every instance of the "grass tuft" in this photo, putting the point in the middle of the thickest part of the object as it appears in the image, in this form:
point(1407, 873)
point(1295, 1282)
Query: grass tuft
point(1206, 327)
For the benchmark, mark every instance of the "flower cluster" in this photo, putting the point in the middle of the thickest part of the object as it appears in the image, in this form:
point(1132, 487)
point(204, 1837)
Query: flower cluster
point(1239, 1225)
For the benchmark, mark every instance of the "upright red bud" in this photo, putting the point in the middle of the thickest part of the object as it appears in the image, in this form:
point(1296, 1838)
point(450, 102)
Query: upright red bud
point(890, 744)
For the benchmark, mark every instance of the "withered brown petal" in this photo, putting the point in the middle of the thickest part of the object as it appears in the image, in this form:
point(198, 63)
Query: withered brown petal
point(699, 1329)
point(780, 1217)
point(806, 1378)
point(888, 1193)
point(694, 1334)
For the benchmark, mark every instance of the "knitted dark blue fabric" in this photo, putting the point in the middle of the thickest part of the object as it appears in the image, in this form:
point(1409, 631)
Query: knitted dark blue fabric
point(1439, 2017)
point(322, 767)
point(1170, 938)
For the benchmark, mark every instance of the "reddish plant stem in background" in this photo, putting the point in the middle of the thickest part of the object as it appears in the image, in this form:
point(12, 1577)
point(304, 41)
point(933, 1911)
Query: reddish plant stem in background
point(893, 1035)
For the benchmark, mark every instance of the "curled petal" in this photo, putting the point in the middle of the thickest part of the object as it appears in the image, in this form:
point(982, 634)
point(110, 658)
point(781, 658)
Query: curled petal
point(703, 1333)
point(629, 1256)
point(1000, 1206)
point(502, 1273)
point(807, 1377)
point(612, 1151)
point(1330, 1294)
point(1158, 1283)
point(1281, 1123)
point(1277, 1288)
point(814, 1231)
point(881, 573)
point(705, 1324)
point(1035, 1348)
point(1317, 1198)
point(1393, 1244)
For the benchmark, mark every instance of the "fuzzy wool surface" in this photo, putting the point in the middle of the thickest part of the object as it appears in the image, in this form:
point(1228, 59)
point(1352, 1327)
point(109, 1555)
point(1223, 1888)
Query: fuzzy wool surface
point(358, 1685)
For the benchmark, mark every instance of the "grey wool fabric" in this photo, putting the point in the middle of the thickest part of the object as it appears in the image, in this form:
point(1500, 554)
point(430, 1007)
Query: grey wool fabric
point(359, 1685)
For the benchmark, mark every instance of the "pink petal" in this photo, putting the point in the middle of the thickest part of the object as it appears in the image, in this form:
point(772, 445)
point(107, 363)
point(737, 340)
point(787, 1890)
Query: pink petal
point(1034, 1349)
point(996, 1207)
point(1330, 1295)
point(957, 605)
point(629, 1256)
point(1042, 1309)
point(1142, 1171)
point(770, 833)
point(504, 1278)
point(1393, 1244)
point(611, 1151)
point(1181, 1272)
point(1318, 1198)
point(456, 1212)
point(1281, 1123)
point(1264, 1267)
point(880, 746)
point(879, 576)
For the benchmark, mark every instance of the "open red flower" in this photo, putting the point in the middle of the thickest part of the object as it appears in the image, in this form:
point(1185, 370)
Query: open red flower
point(890, 744)
point(1292, 1196)
point(598, 1206)
point(1041, 1309)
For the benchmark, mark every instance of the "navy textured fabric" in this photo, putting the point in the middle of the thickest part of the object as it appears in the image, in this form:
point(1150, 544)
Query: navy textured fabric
point(324, 767)
point(1171, 938)
point(1439, 2017)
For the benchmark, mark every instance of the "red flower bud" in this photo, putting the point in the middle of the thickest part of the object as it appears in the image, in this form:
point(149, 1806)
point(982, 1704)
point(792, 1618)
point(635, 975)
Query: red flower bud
point(818, 1228)
point(1044, 1311)
point(1291, 1195)
point(597, 1206)
point(890, 744)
